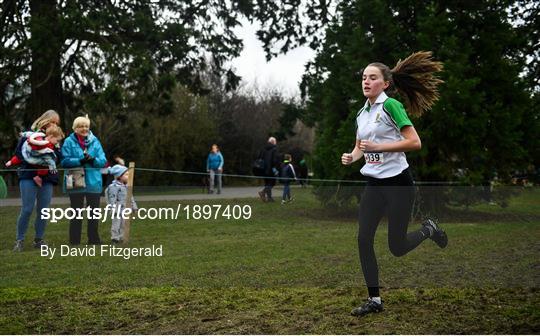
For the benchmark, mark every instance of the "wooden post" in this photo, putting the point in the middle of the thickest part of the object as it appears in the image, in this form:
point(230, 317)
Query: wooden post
point(127, 221)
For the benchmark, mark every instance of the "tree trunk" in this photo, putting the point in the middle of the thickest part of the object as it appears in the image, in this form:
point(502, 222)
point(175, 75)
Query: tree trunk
point(46, 46)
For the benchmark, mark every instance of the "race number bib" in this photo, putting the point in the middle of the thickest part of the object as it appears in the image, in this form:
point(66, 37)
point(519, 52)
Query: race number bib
point(374, 158)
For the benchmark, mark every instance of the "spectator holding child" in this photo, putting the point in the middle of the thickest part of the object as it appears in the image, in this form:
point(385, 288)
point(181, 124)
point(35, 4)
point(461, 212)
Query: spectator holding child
point(39, 150)
point(31, 192)
point(83, 155)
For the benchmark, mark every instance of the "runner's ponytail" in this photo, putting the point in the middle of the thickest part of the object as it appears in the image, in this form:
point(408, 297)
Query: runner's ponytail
point(414, 79)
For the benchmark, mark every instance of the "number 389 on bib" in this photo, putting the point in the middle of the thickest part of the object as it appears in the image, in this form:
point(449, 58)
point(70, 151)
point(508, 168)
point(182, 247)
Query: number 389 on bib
point(374, 158)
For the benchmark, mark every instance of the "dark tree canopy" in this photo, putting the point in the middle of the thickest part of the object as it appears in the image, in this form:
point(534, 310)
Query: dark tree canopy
point(481, 126)
point(56, 52)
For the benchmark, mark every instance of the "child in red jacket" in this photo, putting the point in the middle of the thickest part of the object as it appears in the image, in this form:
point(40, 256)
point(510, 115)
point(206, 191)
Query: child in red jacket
point(39, 150)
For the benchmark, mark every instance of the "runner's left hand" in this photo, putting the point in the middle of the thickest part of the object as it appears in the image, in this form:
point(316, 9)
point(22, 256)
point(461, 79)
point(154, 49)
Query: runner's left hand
point(368, 146)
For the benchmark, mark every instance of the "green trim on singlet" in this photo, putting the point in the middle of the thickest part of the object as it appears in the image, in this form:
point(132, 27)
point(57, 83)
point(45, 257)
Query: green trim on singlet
point(397, 112)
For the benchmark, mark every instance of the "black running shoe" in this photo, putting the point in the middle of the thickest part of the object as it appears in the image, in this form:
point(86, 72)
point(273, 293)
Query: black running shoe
point(367, 308)
point(438, 235)
point(38, 242)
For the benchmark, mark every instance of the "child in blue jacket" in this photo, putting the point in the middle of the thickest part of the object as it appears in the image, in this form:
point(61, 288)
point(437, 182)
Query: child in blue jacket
point(287, 175)
point(116, 194)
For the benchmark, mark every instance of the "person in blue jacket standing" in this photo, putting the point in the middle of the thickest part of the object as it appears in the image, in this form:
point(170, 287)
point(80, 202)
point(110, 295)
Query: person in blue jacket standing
point(82, 150)
point(214, 166)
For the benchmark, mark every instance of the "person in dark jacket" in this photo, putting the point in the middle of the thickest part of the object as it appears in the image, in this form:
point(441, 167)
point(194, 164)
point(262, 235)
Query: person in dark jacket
point(302, 171)
point(287, 175)
point(271, 160)
point(31, 193)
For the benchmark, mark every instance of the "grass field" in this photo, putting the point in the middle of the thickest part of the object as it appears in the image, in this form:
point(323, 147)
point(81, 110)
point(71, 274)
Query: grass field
point(288, 269)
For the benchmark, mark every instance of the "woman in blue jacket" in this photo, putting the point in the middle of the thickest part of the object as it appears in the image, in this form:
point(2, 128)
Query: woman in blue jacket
point(82, 149)
point(214, 166)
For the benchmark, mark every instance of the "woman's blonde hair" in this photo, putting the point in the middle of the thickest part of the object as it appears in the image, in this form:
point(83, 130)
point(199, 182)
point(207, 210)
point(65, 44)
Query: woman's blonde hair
point(55, 131)
point(81, 121)
point(44, 120)
point(415, 81)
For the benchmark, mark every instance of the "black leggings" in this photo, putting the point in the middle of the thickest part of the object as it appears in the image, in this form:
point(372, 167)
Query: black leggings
point(77, 202)
point(395, 195)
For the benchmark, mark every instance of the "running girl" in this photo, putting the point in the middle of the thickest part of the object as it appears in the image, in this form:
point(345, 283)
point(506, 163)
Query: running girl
point(384, 134)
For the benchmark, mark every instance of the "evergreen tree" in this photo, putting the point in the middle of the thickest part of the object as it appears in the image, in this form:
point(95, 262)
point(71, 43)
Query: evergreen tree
point(473, 132)
point(53, 52)
point(119, 59)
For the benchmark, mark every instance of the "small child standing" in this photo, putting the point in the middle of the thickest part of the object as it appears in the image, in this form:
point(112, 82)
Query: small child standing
point(116, 194)
point(39, 150)
point(287, 175)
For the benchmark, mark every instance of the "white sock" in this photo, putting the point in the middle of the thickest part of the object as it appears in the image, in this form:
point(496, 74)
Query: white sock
point(376, 299)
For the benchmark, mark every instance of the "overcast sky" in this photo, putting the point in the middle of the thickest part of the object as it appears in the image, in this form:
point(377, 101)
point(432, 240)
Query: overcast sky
point(283, 72)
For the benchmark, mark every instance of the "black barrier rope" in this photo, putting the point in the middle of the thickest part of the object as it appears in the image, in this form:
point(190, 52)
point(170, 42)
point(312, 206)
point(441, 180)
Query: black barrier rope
point(424, 183)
